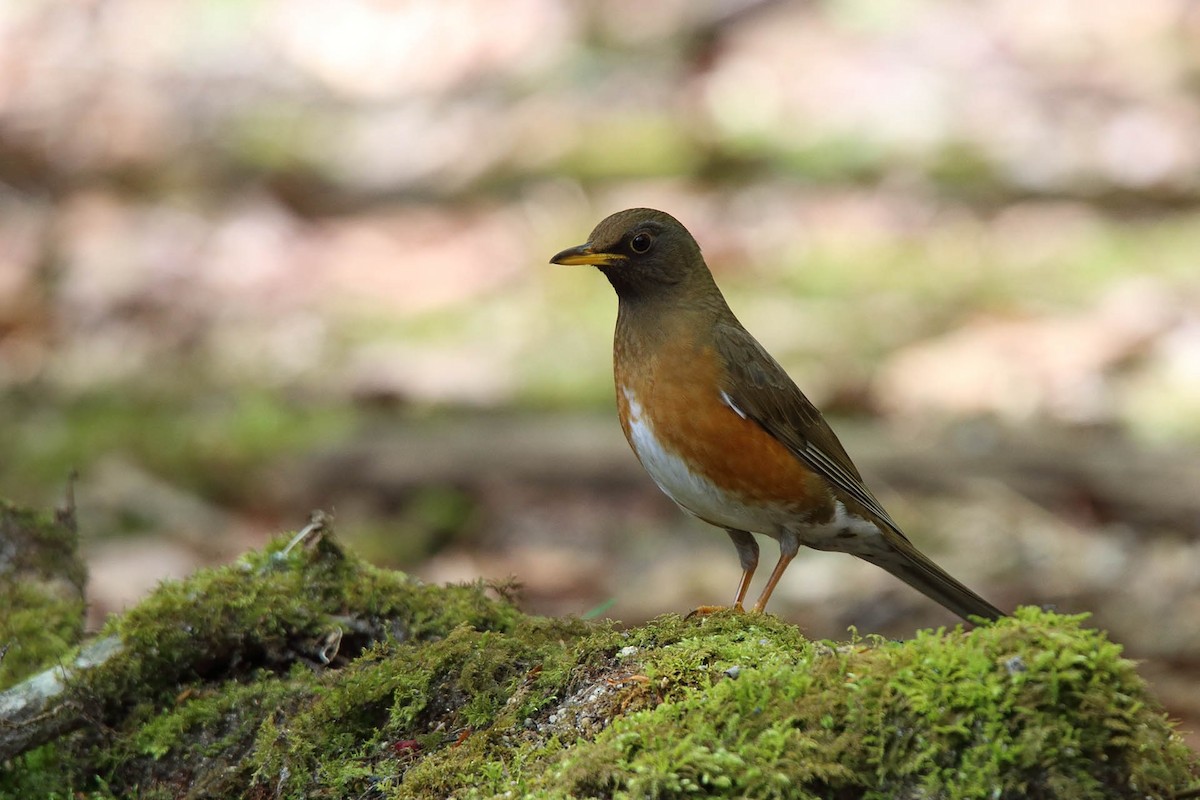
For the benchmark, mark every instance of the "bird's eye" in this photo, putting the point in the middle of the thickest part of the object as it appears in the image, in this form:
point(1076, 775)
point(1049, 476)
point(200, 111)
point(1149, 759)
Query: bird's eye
point(641, 243)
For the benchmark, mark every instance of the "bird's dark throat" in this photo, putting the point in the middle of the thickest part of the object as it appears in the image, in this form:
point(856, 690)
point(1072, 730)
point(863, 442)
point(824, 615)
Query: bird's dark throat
point(633, 285)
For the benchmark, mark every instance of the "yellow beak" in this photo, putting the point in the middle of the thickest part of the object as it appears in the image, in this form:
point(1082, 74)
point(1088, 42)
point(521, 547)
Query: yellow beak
point(584, 254)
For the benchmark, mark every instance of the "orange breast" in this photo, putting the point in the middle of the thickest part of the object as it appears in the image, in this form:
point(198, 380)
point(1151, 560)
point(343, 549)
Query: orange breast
point(678, 389)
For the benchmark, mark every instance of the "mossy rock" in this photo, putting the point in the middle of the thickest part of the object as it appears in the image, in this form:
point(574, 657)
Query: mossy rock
point(307, 673)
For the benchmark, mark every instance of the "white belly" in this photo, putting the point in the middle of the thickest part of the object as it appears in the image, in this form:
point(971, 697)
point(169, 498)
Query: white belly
point(698, 496)
point(692, 492)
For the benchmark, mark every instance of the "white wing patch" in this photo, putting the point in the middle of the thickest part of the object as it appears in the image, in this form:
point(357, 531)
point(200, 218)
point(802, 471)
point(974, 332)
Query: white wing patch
point(845, 533)
point(727, 400)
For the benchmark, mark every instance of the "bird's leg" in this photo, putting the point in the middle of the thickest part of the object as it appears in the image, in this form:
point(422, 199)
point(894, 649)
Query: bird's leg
point(789, 545)
point(747, 549)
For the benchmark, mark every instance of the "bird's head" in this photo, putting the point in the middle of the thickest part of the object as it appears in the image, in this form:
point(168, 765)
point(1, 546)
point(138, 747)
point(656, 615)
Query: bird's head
point(642, 252)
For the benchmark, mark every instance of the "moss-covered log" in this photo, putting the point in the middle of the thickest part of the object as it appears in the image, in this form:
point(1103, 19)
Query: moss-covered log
point(304, 672)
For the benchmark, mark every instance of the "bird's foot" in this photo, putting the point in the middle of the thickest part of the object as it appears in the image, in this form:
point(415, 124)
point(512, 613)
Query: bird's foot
point(704, 611)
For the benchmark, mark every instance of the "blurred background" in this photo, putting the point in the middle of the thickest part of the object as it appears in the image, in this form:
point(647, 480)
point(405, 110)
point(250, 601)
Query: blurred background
point(263, 256)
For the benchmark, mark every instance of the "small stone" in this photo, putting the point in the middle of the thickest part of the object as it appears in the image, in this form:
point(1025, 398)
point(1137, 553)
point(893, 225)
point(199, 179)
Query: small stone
point(627, 651)
point(1015, 665)
point(733, 672)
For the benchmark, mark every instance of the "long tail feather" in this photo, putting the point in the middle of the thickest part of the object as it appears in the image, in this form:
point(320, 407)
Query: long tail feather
point(916, 569)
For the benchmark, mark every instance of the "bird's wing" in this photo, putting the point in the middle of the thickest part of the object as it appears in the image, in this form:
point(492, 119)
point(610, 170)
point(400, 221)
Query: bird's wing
point(763, 392)
point(760, 390)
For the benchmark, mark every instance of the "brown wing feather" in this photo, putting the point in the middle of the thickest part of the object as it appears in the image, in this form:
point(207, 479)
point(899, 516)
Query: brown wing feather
point(762, 390)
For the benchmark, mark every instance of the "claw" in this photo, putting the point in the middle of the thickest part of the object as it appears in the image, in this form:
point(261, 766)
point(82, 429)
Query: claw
point(704, 611)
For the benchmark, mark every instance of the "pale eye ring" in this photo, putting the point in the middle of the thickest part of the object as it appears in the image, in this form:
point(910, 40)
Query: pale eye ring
point(641, 243)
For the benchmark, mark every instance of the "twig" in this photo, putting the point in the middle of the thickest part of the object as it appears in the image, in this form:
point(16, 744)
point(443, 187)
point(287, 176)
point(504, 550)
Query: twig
point(33, 712)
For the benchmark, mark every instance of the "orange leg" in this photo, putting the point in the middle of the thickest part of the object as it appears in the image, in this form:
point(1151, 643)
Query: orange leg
point(747, 549)
point(789, 545)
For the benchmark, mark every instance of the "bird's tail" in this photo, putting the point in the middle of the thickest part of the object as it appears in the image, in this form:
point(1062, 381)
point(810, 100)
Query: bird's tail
point(913, 567)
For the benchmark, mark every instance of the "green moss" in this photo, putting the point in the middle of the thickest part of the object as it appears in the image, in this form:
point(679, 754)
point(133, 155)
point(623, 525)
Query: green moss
point(1034, 706)
point(444, 691)
point(208, 661)
point(422, 717)
point(37, 774)
point(256, 608)
point(36, 629)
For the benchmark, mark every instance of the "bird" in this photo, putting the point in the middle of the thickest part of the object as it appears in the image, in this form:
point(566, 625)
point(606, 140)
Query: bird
point(721, 428)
